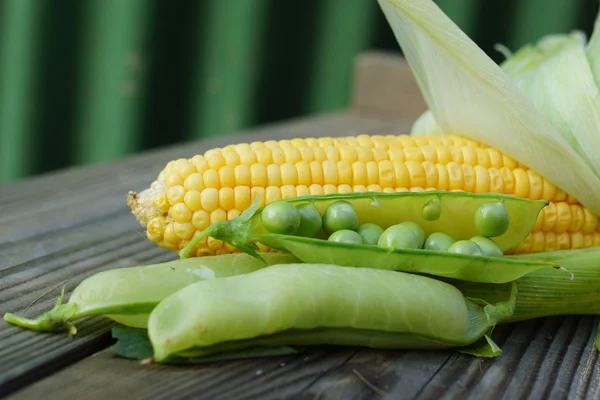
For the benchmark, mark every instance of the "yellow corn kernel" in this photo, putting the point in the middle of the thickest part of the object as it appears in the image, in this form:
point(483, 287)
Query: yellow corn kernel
point(211, 179)
point(468, 177)
point(170, 235)
point(156, 228)
point(387, 178)
point(173, 179)
point(455, 176)
point(258, 191)
point(194, 182)
point(289, 174)
point(180, 213)
point(273, 175)
point(303, 173)
point(482, 179)
point(210, 199)
point(242, 197)
point(184, 230)
point(193, 200)
point(226, 178)
point(226, 198)
point(161, 202)
point(469, 155)
point(201, 219)
point(242, 175)
point(218, 215)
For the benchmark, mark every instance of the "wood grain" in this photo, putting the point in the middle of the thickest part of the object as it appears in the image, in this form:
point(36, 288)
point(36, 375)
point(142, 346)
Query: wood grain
point(384, 86)
point(58, 229)
point(551, 358)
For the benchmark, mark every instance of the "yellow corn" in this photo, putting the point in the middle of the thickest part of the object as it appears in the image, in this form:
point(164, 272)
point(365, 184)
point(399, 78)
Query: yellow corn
point(191, 194)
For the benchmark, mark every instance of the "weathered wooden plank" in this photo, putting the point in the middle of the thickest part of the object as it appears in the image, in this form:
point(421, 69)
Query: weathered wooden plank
point(384, 86)
point(278, 377)
point(551, 358)
point(59, 229)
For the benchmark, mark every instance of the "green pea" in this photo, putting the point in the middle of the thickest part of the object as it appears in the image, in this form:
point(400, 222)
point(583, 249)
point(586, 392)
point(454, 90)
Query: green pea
point(439, 241)
point(281, 217)
point(488, 246)
point(491, 220)
point(417, 230)
point(370, 233)
point(340, 215)
point(465, 247)
point(432, 210)
point(310, 221)
point(345, 236)
point(398, 237)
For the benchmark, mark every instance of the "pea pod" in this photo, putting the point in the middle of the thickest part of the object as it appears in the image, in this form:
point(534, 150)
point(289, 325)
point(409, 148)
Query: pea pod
point(339, 305)
point(387, 209)
point(128, 295)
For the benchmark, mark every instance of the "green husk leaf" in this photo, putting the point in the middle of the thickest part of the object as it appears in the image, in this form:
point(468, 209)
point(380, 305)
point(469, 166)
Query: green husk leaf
point(548, 292)
point(470, 95)
point(133, 343)
point(484, 347)
point(593, 51)
point(563, 89)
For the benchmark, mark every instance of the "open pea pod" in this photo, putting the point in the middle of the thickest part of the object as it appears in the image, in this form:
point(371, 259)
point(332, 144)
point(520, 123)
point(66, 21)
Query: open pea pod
point(454, 211)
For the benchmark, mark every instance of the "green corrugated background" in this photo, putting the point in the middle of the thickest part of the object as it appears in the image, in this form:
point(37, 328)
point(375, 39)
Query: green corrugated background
point(94, 80)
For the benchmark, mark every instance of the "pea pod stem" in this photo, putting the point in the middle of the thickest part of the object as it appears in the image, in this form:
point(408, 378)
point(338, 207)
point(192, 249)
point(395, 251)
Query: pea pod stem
point(128, 295)
point(52, 320)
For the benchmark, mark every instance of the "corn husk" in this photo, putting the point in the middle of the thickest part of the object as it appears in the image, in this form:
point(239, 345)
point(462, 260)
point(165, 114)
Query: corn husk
point(470, 95)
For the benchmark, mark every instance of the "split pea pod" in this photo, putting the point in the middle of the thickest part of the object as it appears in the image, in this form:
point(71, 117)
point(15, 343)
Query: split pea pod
point(308, 304)
point(459, 219)
point(128, 295)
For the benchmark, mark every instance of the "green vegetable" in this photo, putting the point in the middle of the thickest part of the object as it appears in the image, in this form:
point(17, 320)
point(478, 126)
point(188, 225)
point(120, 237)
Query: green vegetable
point(310, 221)
point(487, 246)
point(398, 237)
point(492, 220)
point(385, 210)
point(439, 241)
point(370, 233)
point(340, 215)
point(339, 305)
point(417, 231)
point(127, 295)
point(281, 217)
point(432, 210)
point(465, 247)
point(436, 263)
point(345, 236)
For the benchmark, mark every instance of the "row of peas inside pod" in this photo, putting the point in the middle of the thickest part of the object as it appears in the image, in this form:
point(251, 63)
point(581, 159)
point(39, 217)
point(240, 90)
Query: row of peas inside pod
point(456, 235)
point(340, 223)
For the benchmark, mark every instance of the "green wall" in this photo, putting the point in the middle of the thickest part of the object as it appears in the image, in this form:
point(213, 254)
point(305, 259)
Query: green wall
point(89, 81)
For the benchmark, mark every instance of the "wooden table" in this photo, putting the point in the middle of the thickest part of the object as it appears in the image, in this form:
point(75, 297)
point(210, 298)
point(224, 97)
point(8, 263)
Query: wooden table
point(60, 228)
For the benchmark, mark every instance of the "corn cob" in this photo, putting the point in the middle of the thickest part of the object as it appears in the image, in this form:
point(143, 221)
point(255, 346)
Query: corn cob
point(191, 194)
